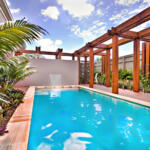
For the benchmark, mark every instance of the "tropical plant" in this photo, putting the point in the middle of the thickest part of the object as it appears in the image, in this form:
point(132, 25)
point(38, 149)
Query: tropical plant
point(14, 35)
point(13, 70)
point(145, 82)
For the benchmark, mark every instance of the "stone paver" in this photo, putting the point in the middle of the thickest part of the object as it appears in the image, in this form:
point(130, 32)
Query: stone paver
point(123, 92)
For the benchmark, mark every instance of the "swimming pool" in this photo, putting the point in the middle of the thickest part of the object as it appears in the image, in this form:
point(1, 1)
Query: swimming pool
point(78, 119)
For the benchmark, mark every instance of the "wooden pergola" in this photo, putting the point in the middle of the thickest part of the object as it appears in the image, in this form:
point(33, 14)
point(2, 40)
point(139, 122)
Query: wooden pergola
point(96, 47)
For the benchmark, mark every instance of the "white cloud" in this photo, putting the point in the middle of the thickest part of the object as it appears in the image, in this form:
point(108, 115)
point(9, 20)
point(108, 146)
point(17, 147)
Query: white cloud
point(14, 11)
point(77, 8)
point(8, 3)
point(42, 1)
point(48, 44)
point(99, 12)
point(146, 1)
point(126, 2)
point(51, 12)
point(100, 3)
point(91, 33)
point(120, 17)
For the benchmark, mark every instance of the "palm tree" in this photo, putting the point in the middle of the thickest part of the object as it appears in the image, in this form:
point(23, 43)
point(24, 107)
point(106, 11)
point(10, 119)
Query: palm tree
point(14, 35)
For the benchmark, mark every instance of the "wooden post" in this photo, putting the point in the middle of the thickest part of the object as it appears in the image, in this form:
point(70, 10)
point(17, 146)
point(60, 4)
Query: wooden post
point(143, 65)
point(136, 65)
point(85, 69)
point(38, 49)
point(91, 68)
point(73, 57)
point(59, 53)
point(147, 59)
point(108, 68)
point(103, 65)
point(79, 69)
point(115, 64)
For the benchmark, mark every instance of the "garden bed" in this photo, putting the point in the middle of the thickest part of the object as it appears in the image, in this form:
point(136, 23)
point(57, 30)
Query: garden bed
point(7, 116)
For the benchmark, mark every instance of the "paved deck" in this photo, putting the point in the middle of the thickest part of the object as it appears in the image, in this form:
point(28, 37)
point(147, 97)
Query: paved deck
point(19, 124)
point(123, 92)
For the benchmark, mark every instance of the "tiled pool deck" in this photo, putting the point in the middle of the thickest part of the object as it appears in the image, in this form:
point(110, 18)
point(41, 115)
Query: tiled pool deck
point(19, 125)
point(123, 92)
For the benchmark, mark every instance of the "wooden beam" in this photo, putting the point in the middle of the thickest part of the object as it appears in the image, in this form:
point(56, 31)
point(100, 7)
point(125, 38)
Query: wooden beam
point(147, 59)
point(81, 50)
point(120, 42)
point(134, 21)
point(73, 57)
point(115, 64)
point(67, 54)
point(108, 68)
point(105, 37)
point(85, 69)
point(136, 65)
point(143, 65)
point(79, 69)
point(144, 33)
point(91, 68)
point(101, 46)
point(129, 35)
point(44, 52)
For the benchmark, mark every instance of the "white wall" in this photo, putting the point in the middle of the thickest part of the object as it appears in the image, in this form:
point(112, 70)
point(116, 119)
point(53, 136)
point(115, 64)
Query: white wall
point(52, 72)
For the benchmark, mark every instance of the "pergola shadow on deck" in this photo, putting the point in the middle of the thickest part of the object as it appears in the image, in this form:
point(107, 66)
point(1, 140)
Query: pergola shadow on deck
point(96, 47)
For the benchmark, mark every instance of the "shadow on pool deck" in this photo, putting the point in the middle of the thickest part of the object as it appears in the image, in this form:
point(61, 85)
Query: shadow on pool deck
point(123, 92)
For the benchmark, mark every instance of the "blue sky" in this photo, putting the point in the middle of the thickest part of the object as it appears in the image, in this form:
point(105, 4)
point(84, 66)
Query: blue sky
point(72, 23)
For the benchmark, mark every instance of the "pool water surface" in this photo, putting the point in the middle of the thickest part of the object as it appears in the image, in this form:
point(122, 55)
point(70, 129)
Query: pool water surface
point(78, 119)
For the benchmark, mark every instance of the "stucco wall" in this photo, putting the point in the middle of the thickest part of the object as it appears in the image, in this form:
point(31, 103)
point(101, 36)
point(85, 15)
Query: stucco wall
point(52, 72)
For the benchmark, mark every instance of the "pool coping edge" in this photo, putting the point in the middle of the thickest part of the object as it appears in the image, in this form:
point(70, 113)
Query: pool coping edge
point(125, 98)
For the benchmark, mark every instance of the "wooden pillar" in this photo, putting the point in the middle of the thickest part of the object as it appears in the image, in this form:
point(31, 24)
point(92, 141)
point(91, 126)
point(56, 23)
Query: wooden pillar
point(105, 64)
point(143, 64)
point(108, 68)
point(79, 69)
point(85, 69)
point(102, 65)
point(115, 64)
point(38, 49)
point(73, 57)
point(91, 68)
point(59, 53)
point(136, 65)
point(147, 59)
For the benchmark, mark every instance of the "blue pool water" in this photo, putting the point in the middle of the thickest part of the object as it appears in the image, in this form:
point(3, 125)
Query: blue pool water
point(84, 120)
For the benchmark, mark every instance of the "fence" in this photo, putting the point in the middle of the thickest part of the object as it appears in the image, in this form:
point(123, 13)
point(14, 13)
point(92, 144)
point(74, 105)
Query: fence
point(125, 62)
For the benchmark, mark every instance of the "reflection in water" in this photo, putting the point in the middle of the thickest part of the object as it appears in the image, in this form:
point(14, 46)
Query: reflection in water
point(44, 146)
point(97, 107)
point(49, 137)
point(73, 143)
point(48, 125)
point(55, 93)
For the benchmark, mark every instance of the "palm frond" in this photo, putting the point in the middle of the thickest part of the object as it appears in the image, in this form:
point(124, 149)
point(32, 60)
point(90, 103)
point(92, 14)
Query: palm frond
point(14, 35)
